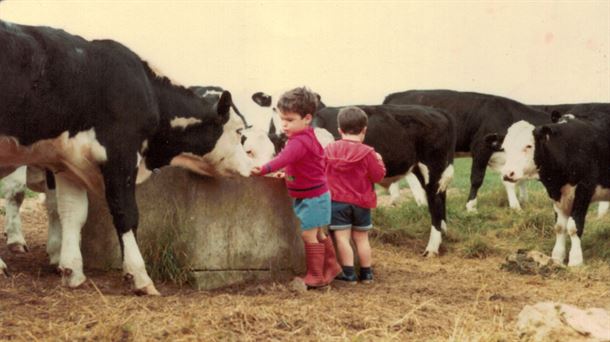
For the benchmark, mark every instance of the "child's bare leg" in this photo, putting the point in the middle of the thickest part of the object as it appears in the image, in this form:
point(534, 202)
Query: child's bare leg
point(310, 235)
point(344, 249)
point(361, 239)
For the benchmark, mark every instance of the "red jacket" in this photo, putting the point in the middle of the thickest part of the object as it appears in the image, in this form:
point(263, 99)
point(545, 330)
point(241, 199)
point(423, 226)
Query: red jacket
point(303, 162)
point(352, 168)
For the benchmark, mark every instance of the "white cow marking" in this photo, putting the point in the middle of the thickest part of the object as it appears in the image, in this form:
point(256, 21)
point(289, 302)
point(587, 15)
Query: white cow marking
point(133, 263)
point(183, 123)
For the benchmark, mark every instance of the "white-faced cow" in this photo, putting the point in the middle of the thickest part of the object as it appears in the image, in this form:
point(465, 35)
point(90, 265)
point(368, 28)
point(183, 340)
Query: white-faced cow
point(410, 138)
point(255, 141)
point(571, 160)
point(583, 111)
point(97, 116)
point(476, 115)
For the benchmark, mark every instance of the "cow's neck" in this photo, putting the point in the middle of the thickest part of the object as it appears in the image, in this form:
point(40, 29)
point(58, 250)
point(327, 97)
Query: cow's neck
point(173, 102)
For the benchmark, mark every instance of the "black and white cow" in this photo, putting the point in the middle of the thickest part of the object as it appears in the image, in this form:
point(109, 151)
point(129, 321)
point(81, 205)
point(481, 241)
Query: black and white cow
point(410, 138)
point(255, 141)
point(476, 116)
point(96, 115)
point(571, 160)
point(585, 111)
point(13, 192)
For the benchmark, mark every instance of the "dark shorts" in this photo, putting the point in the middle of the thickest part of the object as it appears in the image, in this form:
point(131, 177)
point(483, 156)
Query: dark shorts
point(346, 216)
point(313, 212)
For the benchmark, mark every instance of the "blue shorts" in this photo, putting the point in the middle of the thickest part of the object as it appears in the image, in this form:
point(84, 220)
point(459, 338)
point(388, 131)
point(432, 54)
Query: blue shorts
point(346, 216)
point(313, 212)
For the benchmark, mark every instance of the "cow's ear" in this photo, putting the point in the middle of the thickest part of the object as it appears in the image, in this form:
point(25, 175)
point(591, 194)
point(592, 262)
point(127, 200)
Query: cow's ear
point(223, 107)
point(555, 116)
point(543, 133)
point(494, 141)
point(262, 99)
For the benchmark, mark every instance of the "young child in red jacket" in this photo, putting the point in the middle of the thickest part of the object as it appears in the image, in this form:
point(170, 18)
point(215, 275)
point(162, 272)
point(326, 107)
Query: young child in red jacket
point(352, 168)
point(303, 162)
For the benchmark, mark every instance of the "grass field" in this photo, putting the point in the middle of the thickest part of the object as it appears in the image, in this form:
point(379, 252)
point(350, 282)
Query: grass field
point(494, 228)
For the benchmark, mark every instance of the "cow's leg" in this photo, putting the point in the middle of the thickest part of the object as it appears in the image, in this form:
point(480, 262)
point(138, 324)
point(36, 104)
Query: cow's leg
point(480, 159)
point(54, 236)
point(119, 178)
point(576, 222)
point(394, 191)
point(435, 207)
point(72, 205)
point(523, 196)
point(513, 202)
point(602, 208)
point(418, 192)
point(14, 192)
point(559, 250)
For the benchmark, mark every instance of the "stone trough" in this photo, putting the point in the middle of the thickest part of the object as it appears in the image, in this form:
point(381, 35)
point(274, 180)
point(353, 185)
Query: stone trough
point(214, 232)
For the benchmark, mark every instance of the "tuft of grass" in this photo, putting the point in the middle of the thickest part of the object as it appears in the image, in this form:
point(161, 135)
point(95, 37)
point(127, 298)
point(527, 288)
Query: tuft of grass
point(478, 248)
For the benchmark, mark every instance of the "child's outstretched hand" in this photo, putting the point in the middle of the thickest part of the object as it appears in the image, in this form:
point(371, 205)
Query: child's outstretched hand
point(256, 171)
point(378, 156)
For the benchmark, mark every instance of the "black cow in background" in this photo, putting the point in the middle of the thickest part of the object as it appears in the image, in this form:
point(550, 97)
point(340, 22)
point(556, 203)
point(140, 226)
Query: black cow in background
point(100, 119)
point(476, 116)
point(410, 138)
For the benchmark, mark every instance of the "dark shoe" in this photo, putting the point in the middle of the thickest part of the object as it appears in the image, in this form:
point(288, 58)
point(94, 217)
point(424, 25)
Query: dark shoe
point(349, 279)
point(366, 276)
point(314, 258)
point(331, 266)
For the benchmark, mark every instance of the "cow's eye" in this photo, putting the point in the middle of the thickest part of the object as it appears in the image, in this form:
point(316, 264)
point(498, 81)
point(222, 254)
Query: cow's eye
point(528, 147)
point(239, 131)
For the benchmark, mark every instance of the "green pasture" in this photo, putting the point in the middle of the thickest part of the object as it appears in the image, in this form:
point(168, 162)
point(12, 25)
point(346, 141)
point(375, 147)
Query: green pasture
point(494, 229)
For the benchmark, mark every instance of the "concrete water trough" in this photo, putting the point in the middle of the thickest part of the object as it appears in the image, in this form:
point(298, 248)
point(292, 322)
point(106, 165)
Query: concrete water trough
point(214, 232)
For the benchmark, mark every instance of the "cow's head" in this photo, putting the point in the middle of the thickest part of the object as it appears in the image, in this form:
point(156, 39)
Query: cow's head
point(267, 103)
point(258, 146)
point(519, 147)
point(212, 145)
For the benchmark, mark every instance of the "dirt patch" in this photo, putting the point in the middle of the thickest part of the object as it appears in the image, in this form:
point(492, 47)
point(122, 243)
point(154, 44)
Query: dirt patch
point(412, 298)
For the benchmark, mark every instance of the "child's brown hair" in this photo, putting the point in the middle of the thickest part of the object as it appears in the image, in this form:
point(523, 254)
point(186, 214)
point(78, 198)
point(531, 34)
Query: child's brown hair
point(352, 120)
point(299, 100)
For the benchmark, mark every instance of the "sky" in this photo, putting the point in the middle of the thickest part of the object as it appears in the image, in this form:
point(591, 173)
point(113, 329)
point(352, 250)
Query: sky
point(354, 52)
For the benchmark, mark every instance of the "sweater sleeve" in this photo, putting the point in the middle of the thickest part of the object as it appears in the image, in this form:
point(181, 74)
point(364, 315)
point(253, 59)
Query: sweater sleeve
point(376, 167)
point(293, 151)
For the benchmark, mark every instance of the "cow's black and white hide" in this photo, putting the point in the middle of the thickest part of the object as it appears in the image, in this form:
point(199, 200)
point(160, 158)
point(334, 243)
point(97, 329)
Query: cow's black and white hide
point(410, 138)
point(255, 141)
point(476, 116)
point(97, 116)
point(571, 160)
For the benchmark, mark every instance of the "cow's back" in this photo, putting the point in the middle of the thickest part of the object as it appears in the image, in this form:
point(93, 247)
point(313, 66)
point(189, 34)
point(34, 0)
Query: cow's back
point(475, 114)
point(55, 82)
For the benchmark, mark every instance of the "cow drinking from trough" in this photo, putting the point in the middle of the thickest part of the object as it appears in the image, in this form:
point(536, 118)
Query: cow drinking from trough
point(571, 160)
point(97, 116)
point(410, 138)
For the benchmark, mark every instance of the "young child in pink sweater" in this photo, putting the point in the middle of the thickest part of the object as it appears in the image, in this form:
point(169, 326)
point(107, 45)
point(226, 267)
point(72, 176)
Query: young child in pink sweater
point(303, 162)
point(352, 169)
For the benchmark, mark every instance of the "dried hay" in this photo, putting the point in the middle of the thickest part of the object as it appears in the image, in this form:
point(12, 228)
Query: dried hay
point(416, 299)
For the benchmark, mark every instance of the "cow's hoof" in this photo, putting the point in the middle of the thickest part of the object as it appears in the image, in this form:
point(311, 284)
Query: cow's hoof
point(148, 290)
point(70, 278)
point(430, 254)
point(17, 248)
point(575, 264)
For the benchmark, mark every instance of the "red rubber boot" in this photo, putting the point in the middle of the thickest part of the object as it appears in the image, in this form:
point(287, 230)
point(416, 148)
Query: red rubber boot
point(331, 266)
point(314, 257)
